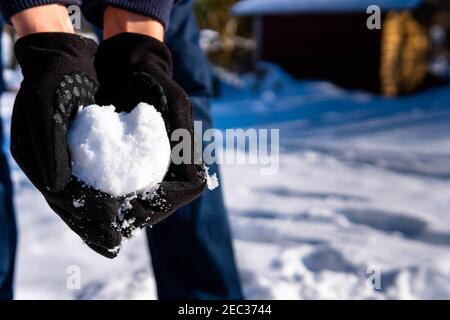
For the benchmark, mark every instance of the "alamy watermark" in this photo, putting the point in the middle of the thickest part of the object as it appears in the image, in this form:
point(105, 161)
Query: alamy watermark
point(374, 20)
point(249, 146)
point(374, 277)
point(73, 281)
point(75, 16)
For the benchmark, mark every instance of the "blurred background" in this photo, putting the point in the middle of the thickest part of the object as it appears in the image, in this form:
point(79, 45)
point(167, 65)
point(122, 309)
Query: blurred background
point(360, 207)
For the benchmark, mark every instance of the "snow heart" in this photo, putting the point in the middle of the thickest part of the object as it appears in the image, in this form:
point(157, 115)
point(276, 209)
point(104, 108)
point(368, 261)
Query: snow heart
point(119, 153)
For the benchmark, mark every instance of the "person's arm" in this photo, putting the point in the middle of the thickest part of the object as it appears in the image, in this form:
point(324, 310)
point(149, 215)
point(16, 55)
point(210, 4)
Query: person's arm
point(47, 18)
point(147, 17)
point(9, 8)
point(59, 77)
point(117, 21)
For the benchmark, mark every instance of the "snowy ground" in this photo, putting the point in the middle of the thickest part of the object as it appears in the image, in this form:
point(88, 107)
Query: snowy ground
point(363, 189)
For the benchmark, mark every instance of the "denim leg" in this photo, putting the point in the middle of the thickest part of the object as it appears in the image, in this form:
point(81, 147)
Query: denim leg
point(8, 236)
point(8, 232)
point(191, 251)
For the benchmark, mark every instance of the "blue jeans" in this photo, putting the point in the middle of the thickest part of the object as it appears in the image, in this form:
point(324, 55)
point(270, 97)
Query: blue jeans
point(8, 234)
point(191, 251)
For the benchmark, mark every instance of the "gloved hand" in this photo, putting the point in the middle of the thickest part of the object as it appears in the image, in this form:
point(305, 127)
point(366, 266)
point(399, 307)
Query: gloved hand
point(58, 78)
point(135, 68)
point(91, 214)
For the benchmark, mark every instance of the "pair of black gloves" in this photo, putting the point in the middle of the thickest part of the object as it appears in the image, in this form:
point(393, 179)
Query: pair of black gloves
point(64, 71)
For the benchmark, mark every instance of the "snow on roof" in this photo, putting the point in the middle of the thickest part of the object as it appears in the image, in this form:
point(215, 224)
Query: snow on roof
point(262, 7)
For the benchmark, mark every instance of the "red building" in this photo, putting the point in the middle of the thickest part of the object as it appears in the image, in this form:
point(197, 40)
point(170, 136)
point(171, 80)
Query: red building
point(326, 39)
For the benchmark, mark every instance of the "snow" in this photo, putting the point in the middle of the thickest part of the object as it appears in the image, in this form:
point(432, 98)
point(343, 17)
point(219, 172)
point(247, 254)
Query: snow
point(362, 194)
point(261, 7)
point(119, 153)
point(363, 185)
point(78, 203)
point(212, 181)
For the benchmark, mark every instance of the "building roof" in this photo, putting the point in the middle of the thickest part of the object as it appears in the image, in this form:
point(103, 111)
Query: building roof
point(265, 7)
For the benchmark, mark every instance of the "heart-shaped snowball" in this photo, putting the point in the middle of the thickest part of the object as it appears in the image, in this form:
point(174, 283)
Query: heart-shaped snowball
point(119, 153)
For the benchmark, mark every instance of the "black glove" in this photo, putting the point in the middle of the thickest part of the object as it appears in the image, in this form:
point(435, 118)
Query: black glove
point(91, 214)
point(134, 68)
point(58, 78)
